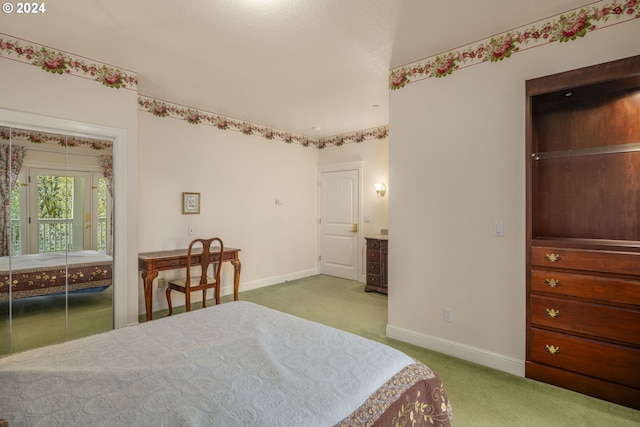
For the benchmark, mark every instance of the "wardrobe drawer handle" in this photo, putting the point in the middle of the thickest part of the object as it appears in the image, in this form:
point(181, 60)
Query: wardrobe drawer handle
point(553, 349)
point(552, 283)
point(553, 257)
point(552, 313)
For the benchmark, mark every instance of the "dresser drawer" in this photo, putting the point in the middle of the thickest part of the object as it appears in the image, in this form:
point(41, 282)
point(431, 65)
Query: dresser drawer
point(373, 255)
point(373, 244)
point(373, 279)
point(598, 320)
point(373, 268)
point(613, 363)
point(586, 286)
point(585, 259)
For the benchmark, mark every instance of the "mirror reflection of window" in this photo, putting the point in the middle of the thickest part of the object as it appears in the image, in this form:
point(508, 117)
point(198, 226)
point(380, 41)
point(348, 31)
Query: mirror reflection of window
point(55, 196)
point(58, 208)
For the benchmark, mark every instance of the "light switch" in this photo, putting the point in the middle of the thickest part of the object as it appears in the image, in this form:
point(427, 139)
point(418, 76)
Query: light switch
point(498, 229)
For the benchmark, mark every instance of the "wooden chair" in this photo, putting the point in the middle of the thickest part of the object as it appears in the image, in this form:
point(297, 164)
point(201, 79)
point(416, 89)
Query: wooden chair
point(203, 281)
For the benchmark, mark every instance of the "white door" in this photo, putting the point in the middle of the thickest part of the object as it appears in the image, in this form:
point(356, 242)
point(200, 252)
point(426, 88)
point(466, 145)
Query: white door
point(339, 231)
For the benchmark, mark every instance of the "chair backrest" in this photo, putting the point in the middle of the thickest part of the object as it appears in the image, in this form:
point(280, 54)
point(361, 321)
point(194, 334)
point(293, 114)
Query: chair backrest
point(205, 254)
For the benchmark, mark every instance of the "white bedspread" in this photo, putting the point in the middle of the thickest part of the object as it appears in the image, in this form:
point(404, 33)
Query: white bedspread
point(44, 261)
point(235, 364)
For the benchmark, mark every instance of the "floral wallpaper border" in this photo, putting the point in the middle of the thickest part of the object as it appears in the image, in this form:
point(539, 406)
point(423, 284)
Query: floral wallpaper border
point(34, 137)
point(561, 28)
point(161, 108)
point(59, 62)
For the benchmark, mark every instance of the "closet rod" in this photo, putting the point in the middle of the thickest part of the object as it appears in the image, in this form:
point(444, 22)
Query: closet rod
point(612, 149)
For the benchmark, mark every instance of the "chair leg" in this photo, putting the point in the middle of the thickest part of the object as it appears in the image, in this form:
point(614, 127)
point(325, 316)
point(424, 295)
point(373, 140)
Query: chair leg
point(217, 293)
point(187, 296)
point(168, 292)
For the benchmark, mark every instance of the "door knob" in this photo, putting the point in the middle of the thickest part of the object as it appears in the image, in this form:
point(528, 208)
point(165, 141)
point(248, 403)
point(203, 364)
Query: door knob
point(354, 228)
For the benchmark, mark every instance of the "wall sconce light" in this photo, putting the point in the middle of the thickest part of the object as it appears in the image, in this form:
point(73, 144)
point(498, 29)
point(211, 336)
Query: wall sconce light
point(381, 189)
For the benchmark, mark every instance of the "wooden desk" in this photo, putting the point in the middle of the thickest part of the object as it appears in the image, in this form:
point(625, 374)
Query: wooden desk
point(150, 263)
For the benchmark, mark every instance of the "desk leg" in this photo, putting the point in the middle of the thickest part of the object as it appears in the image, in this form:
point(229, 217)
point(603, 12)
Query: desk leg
point(147, 280)
point(236, 278)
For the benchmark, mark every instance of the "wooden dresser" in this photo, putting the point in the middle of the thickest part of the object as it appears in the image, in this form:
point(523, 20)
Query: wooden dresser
point(377, 249)
point(583, 231)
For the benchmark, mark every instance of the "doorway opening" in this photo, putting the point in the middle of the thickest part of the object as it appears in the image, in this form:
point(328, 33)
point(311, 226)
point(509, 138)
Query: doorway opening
point(339, 231)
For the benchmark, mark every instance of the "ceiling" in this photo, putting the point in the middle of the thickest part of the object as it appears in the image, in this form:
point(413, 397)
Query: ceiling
point(318, 68)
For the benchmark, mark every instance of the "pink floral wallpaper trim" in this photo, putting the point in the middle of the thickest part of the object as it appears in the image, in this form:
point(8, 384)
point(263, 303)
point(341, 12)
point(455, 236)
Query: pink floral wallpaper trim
point(58, 62)
point(562, 28)
point(50, 138)
point(166, 109)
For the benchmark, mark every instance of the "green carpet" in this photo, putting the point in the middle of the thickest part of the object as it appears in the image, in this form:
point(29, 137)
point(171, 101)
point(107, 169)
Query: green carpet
point(480, 396)
point(40, 321)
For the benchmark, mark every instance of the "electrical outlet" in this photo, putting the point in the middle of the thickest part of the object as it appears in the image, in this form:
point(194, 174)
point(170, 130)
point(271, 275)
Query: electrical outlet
point(162, 283)
point(448, 314)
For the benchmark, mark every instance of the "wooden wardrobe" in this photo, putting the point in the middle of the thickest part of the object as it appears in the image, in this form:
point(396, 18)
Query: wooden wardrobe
point(583, 230)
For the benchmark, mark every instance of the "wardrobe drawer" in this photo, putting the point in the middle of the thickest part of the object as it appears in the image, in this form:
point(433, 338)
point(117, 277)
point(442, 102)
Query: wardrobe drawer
point(586, 286)
point(598, 320)
point(611, 362)
point(585, 259)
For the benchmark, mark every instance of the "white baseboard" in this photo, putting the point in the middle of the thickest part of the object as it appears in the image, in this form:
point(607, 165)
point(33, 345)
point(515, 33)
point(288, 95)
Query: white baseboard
point(267, 281)
point(459, 350)
point(227, 289)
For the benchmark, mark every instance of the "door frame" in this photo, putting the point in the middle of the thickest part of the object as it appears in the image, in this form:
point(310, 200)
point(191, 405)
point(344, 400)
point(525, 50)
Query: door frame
point(359, 166)
point(125, 297)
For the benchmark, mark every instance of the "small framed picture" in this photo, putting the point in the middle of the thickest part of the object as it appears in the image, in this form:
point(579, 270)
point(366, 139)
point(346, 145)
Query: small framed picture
point(190, 203)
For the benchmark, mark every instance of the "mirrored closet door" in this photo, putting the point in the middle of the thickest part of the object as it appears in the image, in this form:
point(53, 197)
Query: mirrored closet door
point(55, 237)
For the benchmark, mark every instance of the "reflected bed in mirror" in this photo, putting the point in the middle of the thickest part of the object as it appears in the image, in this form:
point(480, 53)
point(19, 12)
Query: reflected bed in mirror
point(53, 273)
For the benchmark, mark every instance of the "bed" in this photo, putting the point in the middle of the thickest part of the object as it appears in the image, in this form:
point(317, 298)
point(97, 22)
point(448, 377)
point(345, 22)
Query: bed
point(234, 364)
point(46, 274)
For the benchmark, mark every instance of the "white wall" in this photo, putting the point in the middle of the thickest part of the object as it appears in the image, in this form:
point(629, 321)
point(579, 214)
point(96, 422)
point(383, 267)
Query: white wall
point(239, 177)
point(35, 97)
point(457, 164)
